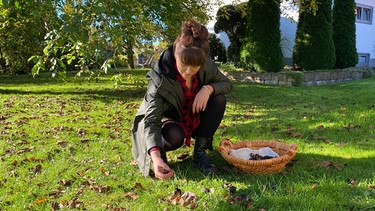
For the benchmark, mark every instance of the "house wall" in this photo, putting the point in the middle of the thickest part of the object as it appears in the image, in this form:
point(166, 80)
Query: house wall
point(365, 35)
point(288, 28)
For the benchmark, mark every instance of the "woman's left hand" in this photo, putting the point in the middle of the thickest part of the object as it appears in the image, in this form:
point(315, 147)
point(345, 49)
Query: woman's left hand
point(200, 100)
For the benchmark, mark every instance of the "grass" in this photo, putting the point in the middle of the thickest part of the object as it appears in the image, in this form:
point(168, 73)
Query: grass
point(67, 145)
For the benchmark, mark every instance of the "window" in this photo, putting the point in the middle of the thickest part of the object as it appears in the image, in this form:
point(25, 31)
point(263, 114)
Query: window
point(363, 14)
point(363, 60)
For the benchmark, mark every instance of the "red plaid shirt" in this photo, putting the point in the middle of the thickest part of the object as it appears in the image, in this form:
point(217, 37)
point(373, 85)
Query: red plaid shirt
point(190, 120)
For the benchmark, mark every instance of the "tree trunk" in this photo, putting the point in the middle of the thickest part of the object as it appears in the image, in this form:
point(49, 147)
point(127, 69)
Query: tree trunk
point(130, 54)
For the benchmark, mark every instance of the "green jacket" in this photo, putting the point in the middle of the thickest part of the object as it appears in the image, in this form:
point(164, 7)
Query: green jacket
point(163, 100)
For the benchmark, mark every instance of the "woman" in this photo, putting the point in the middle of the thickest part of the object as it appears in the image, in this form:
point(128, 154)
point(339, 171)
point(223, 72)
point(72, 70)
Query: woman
point(184, 99)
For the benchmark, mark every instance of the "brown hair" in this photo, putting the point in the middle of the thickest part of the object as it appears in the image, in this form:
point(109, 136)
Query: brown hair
point(192, 43)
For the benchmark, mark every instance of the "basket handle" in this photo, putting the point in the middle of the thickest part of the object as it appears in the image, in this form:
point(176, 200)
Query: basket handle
point(226, 143)
point(292, 150)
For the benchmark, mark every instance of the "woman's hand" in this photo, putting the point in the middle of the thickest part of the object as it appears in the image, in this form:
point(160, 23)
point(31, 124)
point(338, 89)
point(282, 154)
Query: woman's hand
point(162, 170)
point(200, 101)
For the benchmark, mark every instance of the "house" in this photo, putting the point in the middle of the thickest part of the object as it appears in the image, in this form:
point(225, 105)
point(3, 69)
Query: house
point(365, 34)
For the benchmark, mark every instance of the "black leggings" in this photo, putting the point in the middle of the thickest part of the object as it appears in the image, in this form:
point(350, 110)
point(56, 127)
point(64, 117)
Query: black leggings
point(173, 134)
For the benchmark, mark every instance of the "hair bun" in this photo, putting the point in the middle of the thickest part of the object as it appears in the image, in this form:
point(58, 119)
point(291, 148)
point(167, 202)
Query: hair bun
point(193, 34)
point(194, 27)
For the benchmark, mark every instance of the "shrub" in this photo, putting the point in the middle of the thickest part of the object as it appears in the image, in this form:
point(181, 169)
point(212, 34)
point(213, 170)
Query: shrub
point(261, 50)
point(344, 36)
point(314, 48)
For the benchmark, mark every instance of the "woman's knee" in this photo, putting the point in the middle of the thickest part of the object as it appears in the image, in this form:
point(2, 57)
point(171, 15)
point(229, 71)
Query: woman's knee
point(173, 136)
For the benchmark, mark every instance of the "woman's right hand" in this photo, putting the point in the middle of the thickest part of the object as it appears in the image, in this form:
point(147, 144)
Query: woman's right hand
point(162, 170)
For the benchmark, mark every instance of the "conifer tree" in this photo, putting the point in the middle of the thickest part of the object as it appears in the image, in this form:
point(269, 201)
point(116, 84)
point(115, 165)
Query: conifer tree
point(344, 36)
point(314, 48)
point(261, 50)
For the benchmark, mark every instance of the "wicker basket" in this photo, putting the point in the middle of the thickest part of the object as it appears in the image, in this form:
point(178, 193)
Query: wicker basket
point(268, 166)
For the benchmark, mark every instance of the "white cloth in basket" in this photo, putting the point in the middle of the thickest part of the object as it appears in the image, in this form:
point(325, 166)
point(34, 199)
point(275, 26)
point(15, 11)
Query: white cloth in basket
point(244, 153)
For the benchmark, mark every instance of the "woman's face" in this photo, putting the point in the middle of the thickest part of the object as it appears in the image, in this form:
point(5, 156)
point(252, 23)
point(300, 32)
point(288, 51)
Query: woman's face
point(186, 71)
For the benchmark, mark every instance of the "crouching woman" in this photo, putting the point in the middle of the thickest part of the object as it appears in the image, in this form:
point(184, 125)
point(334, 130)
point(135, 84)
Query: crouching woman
point(184, 99)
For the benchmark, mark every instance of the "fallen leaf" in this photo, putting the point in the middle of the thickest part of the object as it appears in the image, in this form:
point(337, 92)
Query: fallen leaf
point(62, 143)
point(76, 203)
point(41, 200)
point(227, 185)
point(352, 181)
point(56, 206)
point(183, 156)
point(325, 164)
point(65, 182)
point(55, 193)
point(130, 195)
point(289, 131)
point(314, 185)
point(137, 185)
point(328, 141)
point(188, 198)
point(104, 189)
point(297, 135)
point(193, 205)
point(205, 190)
point(133, 163)
point(37, 170)
point(342, 144)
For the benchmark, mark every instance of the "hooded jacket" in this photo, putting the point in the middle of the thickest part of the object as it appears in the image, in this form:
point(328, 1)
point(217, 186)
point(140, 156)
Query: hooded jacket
point(163, 100)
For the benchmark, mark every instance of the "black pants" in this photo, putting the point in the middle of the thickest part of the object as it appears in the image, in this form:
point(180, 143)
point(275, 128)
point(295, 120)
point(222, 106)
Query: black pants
point(173, 134)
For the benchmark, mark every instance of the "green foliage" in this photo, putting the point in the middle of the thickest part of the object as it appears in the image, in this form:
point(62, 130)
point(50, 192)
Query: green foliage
point(261, 50)
point(123, 79)
point(231, 19)
point(314, 48)
point(368, 72)
point(217, 49)
point(344, 34)
point(296, 76)
point(228, 67)
point(90, 35)
point(69, 147)
point(21, 35)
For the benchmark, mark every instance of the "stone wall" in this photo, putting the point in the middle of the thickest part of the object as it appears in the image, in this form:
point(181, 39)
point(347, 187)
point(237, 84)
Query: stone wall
point(297, 78)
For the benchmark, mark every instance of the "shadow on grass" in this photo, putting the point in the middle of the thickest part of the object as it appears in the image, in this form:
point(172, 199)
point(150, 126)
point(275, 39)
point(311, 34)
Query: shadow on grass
point(46, 78)
point(310, 181)
point(77, 86)
point(105, 95)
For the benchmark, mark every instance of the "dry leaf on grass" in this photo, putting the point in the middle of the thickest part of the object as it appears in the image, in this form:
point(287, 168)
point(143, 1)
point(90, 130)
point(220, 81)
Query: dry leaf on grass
point(130, 195)
point(187, 199)
point(352, 181)
point(133, 163)
point(41, 200)
point(315, 185)
point(183, 156)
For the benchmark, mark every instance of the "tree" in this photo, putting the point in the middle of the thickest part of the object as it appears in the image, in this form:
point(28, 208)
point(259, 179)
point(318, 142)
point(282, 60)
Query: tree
point(93, 34)
point(261, 50)
point(231, 19)
point(21, 35)
point(344, 36)
point(314, 48)
point(217, 49)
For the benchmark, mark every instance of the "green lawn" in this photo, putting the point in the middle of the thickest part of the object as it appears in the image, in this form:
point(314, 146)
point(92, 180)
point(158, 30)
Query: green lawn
point(67, 145)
